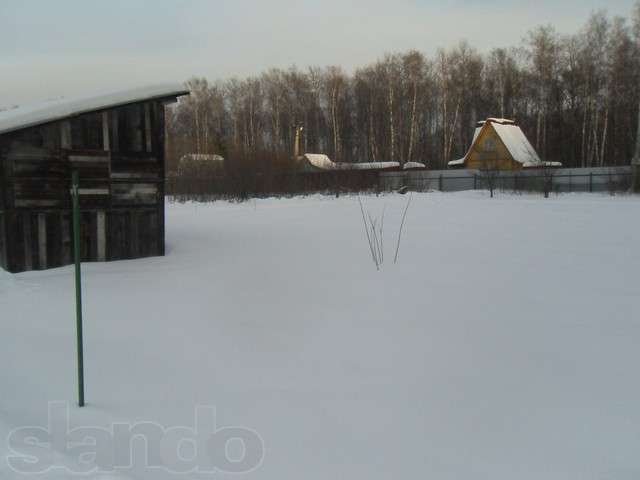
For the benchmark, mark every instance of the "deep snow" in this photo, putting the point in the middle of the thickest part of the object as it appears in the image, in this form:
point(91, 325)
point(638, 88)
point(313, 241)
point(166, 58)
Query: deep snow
point(503, 345)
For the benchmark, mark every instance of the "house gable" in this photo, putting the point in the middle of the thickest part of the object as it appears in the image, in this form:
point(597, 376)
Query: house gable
point(489, 151)
point(500, 144)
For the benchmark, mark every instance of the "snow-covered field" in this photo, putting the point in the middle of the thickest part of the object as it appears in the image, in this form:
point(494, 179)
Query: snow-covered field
point(505, 344)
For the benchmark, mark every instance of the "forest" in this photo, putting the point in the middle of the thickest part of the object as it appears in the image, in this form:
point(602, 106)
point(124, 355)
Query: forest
point(576, 97)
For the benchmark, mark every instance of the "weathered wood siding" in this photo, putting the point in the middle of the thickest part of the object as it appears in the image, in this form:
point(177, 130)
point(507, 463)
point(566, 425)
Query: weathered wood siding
point(3, 229)
point(119, 154)
point(3, 241)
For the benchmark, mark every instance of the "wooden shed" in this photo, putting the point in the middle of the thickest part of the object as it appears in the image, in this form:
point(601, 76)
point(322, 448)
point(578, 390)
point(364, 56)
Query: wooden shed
point(116, 143)
point(500, 144)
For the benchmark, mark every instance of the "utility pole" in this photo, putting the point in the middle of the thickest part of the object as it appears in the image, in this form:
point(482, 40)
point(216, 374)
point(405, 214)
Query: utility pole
point(75, 195)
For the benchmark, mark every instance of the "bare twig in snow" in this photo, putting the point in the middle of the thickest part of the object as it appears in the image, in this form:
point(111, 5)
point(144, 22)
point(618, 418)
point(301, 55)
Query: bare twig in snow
point(382, 235)
point(366, 229)
point(404, 216)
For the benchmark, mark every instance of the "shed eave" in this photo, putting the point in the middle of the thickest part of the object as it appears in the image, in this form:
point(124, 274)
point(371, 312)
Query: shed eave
point(28, 116)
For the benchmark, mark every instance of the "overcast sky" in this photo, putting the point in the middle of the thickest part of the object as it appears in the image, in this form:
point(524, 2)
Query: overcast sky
point(50, 48)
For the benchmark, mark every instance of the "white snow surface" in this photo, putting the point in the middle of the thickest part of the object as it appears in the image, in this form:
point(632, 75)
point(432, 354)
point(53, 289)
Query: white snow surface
point(503, 345)
point(61, 108)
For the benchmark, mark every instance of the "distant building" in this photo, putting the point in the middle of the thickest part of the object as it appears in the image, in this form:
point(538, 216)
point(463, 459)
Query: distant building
point(314, 162)
point(116, 144)
point(194, 163)
point(414, 166)
point(500, 144)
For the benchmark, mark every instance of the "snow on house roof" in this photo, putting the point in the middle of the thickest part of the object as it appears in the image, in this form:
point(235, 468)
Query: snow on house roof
point(518, 145)
point(455, 163)
point(413, 166)
point(476, 134)
point(317, 160)
point(503, 121)
point(323, 162)
point(515, 142)
point(201, 157)
point(368, 165)
point(548, 164)
point(59, 109)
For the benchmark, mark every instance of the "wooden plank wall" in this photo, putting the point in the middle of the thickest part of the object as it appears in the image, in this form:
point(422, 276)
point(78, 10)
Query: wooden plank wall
point(3, 230)
point(122, 195)
point(3, 241)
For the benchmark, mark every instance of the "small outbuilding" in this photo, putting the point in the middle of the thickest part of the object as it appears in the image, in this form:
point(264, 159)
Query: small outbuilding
point(500, 144)
point(414, 166)
point(116, 144)
point(195, 163)
point(315, 162)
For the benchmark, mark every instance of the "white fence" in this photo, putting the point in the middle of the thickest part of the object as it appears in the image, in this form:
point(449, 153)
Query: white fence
point(607, 179)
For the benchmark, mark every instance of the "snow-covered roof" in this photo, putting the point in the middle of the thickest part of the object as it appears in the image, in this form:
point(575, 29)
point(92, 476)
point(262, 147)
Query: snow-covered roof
point(503, 121)
point(323, 162)
point(367, 165)
point(413, 165)
point(455, 163)
point(476, 134)
point(518, 145)
point(318, 160)
point(547, 164)
point(202, 157)
point(59, 109)
point(515, 142)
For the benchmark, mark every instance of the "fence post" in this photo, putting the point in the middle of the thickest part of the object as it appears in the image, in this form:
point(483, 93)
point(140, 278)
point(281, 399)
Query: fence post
point(590, 182)
point(440, 183)
point(611, 187)
point(570, 182)
point(475, 181)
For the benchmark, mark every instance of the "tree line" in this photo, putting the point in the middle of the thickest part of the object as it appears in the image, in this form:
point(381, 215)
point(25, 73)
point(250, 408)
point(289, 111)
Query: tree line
point(577, 98)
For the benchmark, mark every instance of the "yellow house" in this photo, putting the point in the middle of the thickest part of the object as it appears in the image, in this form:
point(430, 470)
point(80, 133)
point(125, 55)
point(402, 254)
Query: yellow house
point(500, 144)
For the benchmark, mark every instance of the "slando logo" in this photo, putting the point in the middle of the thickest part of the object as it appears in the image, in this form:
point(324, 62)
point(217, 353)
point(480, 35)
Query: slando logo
point(203, 448)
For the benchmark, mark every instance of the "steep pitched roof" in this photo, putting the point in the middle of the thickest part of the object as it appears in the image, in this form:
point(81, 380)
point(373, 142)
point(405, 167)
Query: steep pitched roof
point(517, 143)
point(60, 109)
point(513, 139)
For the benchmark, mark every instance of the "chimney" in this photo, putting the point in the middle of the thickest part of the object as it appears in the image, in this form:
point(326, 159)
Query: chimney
point(296, 145)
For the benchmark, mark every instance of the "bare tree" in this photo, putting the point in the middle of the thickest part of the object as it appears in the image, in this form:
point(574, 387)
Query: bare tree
point(490, 175)
point(576, 97)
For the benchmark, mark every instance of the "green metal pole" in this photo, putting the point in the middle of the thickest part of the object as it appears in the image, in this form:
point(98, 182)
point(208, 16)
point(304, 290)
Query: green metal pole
point(78, 275)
